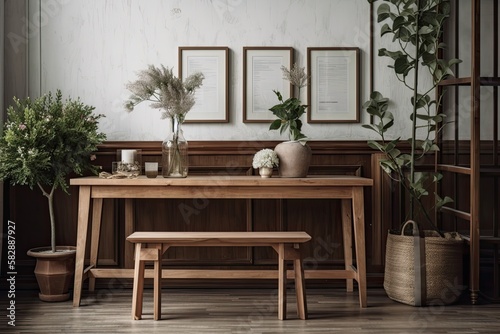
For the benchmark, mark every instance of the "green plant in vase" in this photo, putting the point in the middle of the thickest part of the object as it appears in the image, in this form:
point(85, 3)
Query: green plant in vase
point(175, 98)
point(289, 111)
point(46, 139)
point(416, 27)
point(294, 154)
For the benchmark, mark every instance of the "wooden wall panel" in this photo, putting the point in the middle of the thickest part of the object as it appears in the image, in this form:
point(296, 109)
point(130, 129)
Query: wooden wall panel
point(320, 218)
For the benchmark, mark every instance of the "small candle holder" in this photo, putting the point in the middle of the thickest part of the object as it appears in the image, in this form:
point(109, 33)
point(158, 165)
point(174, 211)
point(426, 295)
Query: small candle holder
point(131, 161)
point(128, 170)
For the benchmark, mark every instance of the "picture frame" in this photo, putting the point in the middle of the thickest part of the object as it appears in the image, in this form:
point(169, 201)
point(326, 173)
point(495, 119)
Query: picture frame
point(212, 98)
point(333, 92)
point(261, 75)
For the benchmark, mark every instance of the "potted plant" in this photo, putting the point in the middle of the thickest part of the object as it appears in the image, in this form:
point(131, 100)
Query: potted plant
point(418, 267)
point(175, 97)
point(43, 141)
point(295, 154)
point(265, 160)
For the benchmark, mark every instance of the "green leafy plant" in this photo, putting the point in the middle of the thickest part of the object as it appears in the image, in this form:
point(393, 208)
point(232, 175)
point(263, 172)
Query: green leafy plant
point(416, 27)
point(46, 139)
point(290, 110)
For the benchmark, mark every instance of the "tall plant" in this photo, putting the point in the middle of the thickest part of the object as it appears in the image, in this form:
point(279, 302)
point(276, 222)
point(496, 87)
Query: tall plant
point(46, 139)
point(416, 27)
point(289, 111)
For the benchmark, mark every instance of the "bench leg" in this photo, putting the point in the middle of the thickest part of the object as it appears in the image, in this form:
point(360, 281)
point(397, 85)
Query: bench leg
point(137, 294)
point(300, 290)
point(157, 285)
point(281, 282)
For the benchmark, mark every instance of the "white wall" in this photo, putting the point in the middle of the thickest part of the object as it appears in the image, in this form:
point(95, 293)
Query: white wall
point(92, 48)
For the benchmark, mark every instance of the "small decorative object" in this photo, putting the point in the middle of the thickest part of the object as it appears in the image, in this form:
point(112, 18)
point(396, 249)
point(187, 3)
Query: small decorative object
point(294, 155)
point(265, 160)
point(129, 163)
point(265, 172)
point(175, 98)
point(43, 141)
point(125, 170)
point(151, 169)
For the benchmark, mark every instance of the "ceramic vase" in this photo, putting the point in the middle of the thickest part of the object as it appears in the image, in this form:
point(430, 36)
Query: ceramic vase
point(265, 172)
point(294, 159)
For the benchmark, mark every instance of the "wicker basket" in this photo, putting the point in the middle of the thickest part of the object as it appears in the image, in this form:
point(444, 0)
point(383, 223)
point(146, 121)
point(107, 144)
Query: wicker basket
point(443, 268)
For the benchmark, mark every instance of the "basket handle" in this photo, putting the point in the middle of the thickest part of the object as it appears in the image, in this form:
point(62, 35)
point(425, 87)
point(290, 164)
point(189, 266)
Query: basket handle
point(415, 230)
point(419, 263)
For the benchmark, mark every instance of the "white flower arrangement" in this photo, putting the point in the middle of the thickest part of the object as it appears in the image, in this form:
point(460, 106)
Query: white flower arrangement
point(265, 158)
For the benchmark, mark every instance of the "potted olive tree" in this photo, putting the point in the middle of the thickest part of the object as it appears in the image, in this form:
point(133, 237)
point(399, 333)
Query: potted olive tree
point(420, 267)
point(43, 141)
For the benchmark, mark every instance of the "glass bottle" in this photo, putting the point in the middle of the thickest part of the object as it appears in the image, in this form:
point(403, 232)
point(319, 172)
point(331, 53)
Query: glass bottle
point(175, 150)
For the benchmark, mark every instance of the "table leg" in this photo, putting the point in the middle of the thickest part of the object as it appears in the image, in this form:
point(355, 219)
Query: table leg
point(129, 229)
point(94, 240)
point(81, 241)
point(347, 234)
point(359, 237)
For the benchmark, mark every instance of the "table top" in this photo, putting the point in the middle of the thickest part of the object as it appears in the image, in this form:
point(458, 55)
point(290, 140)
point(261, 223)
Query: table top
point(228, 181)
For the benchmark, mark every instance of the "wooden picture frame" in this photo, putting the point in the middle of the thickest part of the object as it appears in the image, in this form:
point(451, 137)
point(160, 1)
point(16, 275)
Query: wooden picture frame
point(212, 98)
point(333, 92)
point(261, 75)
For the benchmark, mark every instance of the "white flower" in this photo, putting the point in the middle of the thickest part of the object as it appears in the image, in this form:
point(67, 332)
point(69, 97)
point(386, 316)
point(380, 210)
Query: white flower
point(265, 158)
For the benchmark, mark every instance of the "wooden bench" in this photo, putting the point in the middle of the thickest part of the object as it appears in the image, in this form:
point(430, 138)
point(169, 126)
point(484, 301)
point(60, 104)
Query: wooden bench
point(151, 245)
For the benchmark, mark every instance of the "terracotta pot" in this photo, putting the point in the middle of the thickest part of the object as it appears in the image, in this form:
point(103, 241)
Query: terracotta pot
point(294, 159)
point(54, 271)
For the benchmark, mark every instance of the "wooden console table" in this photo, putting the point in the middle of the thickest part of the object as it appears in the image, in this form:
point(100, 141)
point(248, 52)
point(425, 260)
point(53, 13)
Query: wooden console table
point(349, 189)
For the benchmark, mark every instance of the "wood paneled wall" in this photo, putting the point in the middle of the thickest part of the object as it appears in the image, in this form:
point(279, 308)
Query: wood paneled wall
point(320, 218)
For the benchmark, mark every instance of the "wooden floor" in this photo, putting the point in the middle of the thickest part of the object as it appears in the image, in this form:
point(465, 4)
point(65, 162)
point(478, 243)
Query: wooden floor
point(246, 311)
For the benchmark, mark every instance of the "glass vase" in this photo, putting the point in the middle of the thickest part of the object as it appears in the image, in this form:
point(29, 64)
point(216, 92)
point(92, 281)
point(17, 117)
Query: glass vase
point(175, 150)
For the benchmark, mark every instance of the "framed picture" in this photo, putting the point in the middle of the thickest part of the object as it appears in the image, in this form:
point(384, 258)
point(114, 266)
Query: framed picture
point(333, 92)
point(212, 98)
point(261, 75)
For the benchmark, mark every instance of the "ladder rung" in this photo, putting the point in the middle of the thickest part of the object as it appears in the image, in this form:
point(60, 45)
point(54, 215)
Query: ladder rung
point(456, 213)
point(454, 169)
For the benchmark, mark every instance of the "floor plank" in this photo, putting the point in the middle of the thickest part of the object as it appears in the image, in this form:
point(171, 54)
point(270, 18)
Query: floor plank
point(246, 311)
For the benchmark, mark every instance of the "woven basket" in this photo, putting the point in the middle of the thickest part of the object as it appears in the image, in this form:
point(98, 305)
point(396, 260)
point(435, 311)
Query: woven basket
point(443, 268)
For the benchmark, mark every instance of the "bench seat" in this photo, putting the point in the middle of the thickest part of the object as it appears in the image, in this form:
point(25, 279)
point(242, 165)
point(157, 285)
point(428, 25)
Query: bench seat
point(150, 246)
